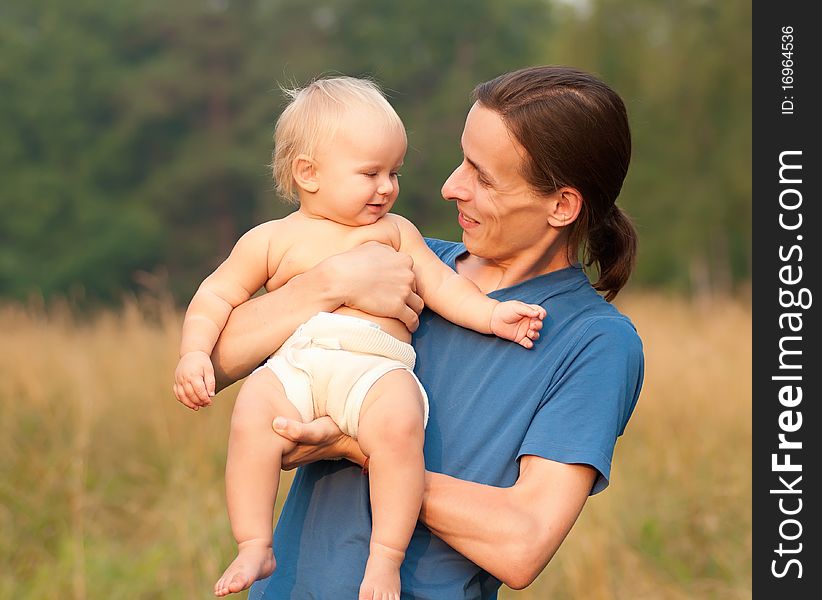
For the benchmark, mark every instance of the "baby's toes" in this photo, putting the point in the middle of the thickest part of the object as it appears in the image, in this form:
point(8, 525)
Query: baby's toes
point(219, 588)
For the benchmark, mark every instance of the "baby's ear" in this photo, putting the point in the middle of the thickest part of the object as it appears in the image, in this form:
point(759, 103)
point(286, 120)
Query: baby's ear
point(304, 171)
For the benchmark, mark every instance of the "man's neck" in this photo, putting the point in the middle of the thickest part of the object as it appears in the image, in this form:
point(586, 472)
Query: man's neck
point(491, 274)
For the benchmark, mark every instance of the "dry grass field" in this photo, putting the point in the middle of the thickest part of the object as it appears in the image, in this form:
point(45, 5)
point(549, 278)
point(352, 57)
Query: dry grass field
point(109, 489)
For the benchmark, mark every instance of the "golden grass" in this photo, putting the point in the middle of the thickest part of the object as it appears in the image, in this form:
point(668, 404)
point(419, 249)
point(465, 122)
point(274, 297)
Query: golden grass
point(110, 489)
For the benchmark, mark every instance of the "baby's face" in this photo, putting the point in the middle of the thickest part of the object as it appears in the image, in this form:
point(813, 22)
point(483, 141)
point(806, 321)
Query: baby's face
point(358, 170)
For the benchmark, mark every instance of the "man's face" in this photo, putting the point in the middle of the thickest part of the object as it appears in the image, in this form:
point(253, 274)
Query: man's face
point(500, 215)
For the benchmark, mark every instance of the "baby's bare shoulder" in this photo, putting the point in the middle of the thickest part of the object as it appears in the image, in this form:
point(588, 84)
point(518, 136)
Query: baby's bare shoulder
point(267, 229)
point(409, 238)
point(401, 229)
point(399, 222)
point(389, 230)
point(279, 231)
point(271, 239)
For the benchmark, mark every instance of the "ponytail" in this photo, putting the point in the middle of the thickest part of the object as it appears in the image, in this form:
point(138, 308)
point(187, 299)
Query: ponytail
point(612, 246)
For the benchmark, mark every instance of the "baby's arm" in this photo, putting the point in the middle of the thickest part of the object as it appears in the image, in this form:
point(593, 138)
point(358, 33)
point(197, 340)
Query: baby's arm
point(459, 300)
point(243, 273)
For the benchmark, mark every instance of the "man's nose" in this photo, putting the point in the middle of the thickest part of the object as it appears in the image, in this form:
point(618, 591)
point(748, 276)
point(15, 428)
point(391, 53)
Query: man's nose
point(455, 187)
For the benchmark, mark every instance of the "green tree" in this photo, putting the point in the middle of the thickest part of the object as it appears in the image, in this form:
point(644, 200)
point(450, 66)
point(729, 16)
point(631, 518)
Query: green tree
point(684, 71)
point(67, 217)
point(137, 136)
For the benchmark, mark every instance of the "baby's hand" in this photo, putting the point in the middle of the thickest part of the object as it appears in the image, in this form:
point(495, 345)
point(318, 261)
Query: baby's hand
point(194, 383)
point(517, 321)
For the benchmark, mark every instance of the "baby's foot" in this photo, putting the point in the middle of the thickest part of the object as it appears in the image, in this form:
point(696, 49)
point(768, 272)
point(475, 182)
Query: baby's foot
point(382, 574)
point(255, 560)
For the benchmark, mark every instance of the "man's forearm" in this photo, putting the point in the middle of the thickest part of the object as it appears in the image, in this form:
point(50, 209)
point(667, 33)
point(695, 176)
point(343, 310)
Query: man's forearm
point(256, 328)
point(510, 532)
point(480, 522)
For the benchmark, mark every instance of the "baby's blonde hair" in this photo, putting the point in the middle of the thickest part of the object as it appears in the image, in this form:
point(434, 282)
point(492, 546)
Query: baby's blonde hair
point(312, 116)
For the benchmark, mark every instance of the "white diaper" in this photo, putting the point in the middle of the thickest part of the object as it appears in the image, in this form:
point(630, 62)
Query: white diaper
point(328, 365)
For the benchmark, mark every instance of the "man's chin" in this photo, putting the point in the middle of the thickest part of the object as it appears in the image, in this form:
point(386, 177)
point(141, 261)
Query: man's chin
point(474, 248)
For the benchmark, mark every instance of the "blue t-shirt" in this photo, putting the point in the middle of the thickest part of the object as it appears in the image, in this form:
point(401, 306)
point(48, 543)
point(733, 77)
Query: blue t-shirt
point(491, 401)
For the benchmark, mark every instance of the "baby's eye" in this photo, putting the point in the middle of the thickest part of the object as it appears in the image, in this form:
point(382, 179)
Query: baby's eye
point(396, 174)
point(370, 174)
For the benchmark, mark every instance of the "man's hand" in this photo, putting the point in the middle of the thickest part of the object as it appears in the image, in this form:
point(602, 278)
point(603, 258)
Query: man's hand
point(373, 278)
point(518, 322)
point(320, 439)
point(194, 380)
point(378, 280)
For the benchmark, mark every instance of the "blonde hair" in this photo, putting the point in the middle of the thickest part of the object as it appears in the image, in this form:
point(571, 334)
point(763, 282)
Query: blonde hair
point(313, 115)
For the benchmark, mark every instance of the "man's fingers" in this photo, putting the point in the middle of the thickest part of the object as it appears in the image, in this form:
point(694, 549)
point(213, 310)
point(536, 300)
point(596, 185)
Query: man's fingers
point(410, 318)
point(410, 313)
point(407, 260)
point(415, 303)
point(320, 431)
point(315, 432)
point(285, 428)
point(288, 428)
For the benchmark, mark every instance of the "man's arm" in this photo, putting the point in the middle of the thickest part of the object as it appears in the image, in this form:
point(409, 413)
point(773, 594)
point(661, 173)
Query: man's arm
point(372, 277)
point(510, 532)
point(514, 532)
point(256, 328)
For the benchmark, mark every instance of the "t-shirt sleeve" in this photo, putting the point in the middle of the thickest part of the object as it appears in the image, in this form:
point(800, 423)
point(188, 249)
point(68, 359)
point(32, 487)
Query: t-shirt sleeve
point(445, 250)
point(589, 402)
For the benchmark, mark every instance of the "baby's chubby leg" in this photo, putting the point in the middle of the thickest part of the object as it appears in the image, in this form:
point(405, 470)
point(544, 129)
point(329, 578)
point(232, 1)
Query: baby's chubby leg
point(391, 435)
point(252, 476)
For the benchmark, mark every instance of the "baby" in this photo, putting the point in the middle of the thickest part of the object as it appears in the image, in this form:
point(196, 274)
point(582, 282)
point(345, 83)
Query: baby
point(338, 148)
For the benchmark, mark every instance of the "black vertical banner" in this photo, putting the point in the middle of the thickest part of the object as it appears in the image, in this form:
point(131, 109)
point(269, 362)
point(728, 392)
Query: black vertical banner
point(787, 421)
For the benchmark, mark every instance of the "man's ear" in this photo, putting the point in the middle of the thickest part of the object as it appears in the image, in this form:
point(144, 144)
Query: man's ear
point(564, 207)
point(304, 171)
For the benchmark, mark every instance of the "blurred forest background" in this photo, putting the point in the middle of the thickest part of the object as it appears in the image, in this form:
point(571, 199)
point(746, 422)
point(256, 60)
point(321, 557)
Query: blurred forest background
point(135, 136)
point(134, 144)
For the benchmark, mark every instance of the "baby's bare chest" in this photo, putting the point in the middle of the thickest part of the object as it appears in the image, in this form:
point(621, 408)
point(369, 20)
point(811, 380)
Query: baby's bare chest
point(305, 247)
